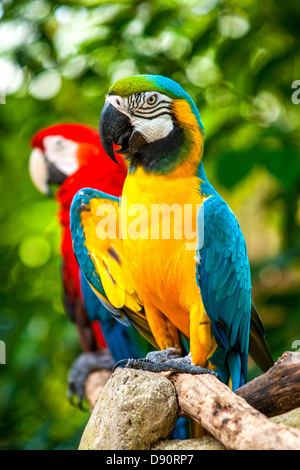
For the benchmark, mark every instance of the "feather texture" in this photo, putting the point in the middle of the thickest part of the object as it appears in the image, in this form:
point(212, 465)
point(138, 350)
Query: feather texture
point(223, 275)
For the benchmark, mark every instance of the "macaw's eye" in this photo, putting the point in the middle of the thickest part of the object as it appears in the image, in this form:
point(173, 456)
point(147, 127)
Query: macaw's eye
point(59, 143)
point(152, 99)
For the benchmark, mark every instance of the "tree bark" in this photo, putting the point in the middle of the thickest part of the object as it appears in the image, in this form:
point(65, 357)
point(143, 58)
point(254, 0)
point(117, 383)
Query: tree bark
point(278, 390)
point(228, 417)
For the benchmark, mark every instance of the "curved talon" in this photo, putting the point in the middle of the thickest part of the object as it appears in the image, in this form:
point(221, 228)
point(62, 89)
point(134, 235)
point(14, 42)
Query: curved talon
point(71, 399)
point(83, 405)
point(120, 363)
point(76, 400)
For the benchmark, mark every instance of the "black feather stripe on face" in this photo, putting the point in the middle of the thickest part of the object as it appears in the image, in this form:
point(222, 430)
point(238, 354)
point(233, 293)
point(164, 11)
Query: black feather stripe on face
point(139, 107)
point(150, 115)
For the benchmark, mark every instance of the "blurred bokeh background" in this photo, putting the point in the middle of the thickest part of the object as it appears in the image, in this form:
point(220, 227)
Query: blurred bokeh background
point(238, 60)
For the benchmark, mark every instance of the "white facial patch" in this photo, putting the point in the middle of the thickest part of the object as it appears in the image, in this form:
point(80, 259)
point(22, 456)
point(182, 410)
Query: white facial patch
point(62, 153)
point(153, 130)
point(148, 112)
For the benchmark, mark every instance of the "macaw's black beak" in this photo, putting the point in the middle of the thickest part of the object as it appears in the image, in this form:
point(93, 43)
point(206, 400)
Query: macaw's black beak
point(115, 128)
point(55, 176)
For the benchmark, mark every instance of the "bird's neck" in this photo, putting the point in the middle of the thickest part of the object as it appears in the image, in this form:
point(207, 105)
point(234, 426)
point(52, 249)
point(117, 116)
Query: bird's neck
point(206, 188)
point(189, 170)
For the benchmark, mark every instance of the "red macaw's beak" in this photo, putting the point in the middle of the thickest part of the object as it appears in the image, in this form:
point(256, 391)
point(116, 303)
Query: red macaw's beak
point(43, 172)
point(115, 128)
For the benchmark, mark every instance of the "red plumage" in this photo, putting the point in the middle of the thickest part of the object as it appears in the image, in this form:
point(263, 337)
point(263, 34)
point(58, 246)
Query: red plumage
point(98, 171)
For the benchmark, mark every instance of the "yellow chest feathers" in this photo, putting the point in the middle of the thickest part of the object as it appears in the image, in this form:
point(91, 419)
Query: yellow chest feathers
point(158, 217)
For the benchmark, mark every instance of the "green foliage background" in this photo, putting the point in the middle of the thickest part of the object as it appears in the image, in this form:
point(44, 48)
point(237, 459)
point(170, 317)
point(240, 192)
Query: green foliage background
point(238, 60)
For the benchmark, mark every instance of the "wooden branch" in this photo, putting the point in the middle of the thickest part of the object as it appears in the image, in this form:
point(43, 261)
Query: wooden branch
point(278, 390)
point(228, 417)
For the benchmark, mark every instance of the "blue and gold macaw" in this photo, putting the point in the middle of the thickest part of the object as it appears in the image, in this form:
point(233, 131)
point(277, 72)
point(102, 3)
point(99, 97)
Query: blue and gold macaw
point(188, 293)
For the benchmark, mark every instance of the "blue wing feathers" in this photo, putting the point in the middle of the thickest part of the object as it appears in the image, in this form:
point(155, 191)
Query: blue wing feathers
point(81, 252)
point(223, 275)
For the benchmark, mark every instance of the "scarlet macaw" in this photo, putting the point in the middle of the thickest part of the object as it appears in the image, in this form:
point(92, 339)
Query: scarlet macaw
point(71, 156)
point(195, 301)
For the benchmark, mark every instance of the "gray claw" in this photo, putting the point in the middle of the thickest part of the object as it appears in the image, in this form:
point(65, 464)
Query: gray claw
point(81, 368)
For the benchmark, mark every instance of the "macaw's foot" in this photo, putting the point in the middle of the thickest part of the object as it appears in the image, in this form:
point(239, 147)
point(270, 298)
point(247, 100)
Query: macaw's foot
point(81, 368)
point(153, 357)
point(166, 360)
